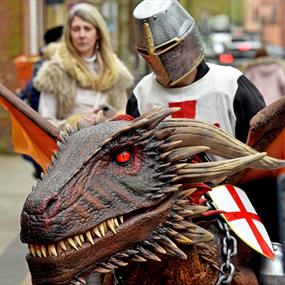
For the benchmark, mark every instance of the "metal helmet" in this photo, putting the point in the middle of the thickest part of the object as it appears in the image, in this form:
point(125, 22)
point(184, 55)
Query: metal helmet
point(168, 39)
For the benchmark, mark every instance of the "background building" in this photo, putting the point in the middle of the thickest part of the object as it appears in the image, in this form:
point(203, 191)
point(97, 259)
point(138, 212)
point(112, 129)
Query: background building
point(266, 18)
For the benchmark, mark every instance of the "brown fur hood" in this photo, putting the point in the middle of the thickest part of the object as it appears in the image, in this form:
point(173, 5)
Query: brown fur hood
point(53, 79)
point(264, 60)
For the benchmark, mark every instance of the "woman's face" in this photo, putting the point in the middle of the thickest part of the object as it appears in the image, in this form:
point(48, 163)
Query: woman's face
point(83, 36)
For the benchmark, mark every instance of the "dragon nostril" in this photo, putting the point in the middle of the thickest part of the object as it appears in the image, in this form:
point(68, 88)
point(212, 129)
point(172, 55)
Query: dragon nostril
point(51, 202)
point(50, 206)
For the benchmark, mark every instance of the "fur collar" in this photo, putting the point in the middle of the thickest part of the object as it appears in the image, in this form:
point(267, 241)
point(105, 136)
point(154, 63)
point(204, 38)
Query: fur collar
point(55, 80)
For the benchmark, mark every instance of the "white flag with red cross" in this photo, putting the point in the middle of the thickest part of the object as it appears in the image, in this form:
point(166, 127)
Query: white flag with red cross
point(242, 218)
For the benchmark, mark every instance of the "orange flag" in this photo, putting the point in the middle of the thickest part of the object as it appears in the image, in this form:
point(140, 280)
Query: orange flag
point(31, 134)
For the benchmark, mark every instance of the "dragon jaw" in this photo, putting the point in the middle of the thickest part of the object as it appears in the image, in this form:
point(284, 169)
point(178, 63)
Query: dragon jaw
point(156, 232)
point(159, 215)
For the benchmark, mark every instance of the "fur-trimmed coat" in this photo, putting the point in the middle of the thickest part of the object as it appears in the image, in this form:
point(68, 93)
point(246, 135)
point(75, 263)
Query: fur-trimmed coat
point(268, 75)
point(53, 79)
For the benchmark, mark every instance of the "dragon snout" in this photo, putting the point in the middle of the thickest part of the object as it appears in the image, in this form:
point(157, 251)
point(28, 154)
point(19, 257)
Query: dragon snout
point(40, 214)
point(46, 206)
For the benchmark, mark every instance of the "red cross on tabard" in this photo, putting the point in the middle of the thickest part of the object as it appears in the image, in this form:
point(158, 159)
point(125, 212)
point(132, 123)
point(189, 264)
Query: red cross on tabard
point(188, 109)
point(249, 217)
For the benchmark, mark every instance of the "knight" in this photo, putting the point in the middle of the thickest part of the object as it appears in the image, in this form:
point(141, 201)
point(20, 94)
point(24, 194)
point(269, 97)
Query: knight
point(168, 39)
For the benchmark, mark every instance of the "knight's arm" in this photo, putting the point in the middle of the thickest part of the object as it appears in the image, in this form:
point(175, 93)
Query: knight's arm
point(248, 101)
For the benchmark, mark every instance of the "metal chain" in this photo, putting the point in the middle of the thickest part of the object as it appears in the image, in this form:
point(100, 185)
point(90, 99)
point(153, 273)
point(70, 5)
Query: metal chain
point(229, 250)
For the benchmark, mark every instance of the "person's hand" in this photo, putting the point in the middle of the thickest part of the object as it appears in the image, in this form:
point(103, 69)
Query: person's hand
point(95, 118)
point(100, 114)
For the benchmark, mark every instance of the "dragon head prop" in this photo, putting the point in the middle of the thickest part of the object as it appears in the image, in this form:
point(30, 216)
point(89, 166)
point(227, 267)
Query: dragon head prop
point(124, 191)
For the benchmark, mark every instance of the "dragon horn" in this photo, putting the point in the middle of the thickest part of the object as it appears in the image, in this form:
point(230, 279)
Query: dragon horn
point(208, 171)
point(192, 133)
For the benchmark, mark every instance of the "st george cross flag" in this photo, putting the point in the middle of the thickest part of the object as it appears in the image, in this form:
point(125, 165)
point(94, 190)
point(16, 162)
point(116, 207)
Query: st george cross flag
point(242, 218)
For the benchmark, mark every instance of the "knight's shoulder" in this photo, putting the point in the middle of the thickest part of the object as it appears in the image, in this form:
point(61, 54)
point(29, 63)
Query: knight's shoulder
point(146, 80)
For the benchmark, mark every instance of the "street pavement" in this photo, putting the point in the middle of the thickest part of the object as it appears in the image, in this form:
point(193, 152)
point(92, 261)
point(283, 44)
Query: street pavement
point(16, 182)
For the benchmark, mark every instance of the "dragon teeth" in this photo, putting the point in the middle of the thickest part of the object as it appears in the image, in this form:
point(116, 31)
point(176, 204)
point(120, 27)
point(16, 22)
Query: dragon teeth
point(102, 229)
point(77, 239)
point(72, 243)
point(38, 251)
point(52, 250)
point(44, 250)
point(105, 226)
point(32, 250)
point(97, 232)
point(116, 222)
point(41, 250)
point(111, 225)
point(62, 245)
point(89, 237)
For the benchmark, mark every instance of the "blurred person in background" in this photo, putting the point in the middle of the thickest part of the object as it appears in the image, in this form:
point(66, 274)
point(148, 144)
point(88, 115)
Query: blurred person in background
point(30, 94)
point(267, 74)
point(84, 74)
point(169, 41)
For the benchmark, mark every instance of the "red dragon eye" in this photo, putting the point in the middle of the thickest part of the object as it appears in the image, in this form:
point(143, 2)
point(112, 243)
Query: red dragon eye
point(123, 157)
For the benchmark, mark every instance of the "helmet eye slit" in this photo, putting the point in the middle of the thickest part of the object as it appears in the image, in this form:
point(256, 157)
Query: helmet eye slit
point(166, 46)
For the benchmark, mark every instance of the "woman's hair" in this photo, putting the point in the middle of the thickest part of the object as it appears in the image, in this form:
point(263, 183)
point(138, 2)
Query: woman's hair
point(90, 14)
point(261, 52)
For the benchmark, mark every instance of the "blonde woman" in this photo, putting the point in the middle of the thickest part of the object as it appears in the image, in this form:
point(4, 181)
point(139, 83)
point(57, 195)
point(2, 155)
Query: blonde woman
point(84, 73)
